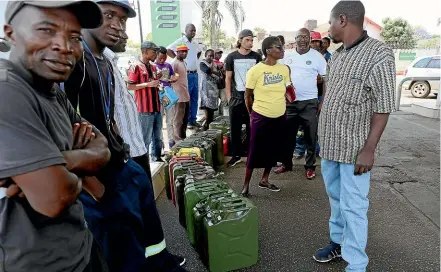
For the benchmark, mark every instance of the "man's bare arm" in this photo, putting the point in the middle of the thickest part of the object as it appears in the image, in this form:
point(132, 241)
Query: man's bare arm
point(365, 159)
point(49, 190)
point(151, 84)
point(249, 99)
point(89, 159)
point(171, 54)
point(228, 77)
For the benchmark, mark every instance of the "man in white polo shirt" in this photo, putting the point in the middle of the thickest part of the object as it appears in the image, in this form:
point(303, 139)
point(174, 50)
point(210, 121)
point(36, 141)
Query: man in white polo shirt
point(307, 66)
point(194, 52)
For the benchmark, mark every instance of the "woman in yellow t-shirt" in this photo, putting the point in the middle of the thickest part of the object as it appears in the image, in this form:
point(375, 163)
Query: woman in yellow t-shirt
point(265, 100)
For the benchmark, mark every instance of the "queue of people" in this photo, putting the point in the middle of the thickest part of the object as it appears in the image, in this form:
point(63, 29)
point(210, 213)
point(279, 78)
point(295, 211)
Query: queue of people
point(80, 188)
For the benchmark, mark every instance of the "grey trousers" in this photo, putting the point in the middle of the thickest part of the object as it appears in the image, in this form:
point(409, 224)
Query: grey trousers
point(302, 113)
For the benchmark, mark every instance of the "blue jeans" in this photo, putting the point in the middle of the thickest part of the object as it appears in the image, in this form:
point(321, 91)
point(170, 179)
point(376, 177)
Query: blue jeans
point(151, 125)
point(193, 83)
point(301, 146)
point(348, 224)
point(125, 222)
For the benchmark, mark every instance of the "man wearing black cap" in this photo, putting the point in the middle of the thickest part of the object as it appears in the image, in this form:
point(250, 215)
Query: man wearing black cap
point(43, 229)
point(125, 221)
point(237, 65)
point(143, 78)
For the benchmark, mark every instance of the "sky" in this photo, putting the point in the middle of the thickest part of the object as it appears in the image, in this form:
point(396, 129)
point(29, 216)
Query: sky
point(290, 15)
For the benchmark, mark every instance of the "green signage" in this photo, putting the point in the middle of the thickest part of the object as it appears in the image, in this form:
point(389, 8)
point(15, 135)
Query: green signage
point(166, 21)
point(407, 56)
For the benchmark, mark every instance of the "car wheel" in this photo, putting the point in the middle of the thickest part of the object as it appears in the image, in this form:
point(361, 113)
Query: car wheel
point(420, 89)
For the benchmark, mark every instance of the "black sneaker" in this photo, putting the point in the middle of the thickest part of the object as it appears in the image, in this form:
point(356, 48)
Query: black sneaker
point(234, 161)
point(327, 254)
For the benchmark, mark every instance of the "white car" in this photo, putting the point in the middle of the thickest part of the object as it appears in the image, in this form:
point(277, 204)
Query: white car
point(423, 67)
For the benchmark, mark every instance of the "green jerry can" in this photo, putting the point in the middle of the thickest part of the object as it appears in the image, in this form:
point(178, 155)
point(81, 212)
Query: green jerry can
point(171, 161)
point(230, 238)
point(222, 125)
point(206, 146)
point(211, 203)
point(180, 183)
point(181, 169)
point(216, 134)
point(212, 139)
point(193, 195)
point(222, 119)
point(200, 171)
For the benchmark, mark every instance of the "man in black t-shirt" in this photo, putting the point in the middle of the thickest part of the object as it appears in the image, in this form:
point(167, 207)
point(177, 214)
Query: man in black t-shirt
point(237, 65)
point(42, 221)
point(126, 221)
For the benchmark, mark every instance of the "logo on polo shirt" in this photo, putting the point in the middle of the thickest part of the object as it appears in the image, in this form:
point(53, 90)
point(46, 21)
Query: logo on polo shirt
point(308, 62)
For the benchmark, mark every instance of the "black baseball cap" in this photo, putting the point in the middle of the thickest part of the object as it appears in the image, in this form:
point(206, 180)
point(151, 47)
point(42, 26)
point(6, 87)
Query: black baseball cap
point(246, 33)
point(88, 13)
point(149, 45)
point(122, 3)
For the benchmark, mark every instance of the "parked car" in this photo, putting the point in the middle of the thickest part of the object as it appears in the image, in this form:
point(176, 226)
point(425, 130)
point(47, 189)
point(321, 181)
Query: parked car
point(428, 66)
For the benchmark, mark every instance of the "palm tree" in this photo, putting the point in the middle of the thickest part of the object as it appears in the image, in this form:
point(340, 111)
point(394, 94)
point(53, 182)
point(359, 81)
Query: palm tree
point(212, 17)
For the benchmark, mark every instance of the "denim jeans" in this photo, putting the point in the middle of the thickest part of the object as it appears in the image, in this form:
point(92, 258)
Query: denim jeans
point(193, 90)
point(348, 224)
point(151, 125)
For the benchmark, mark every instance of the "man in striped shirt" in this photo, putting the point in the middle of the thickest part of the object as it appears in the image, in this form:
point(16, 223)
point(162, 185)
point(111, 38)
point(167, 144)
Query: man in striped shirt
point(358, 98)
point(143, 78)
point(126, 115)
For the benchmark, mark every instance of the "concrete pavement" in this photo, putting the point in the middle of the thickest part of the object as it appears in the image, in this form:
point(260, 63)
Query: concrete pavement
point(404, 212)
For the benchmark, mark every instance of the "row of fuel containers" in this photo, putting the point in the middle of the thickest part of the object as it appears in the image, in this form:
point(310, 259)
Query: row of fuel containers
point(221, 225)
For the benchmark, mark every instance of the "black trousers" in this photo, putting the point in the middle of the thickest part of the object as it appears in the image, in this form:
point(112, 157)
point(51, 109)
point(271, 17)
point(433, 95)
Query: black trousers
point(144, 162)
point(209, 116)
point(238, 116)
point(301, 113)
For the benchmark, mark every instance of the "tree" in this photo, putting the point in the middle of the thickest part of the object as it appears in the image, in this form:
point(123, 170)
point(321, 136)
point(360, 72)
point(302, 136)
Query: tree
point(421, 33)
point(149, 37)
point(221, 38)
point(132, 44)
point(398, 34)
point(212, 17)
point(430, 43)
point(258, 30)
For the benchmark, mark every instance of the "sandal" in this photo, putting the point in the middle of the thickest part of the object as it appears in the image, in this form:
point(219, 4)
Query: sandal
point(245, 194)
point(270, 187)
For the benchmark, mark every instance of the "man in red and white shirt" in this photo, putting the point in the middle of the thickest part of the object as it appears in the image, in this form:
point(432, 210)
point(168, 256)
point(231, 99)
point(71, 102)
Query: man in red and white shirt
point(143, 79)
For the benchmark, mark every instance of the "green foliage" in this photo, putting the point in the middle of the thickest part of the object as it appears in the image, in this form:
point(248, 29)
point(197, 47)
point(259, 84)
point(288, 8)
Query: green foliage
point(398, 34)
point(431, 43)
point(132, 44)
point(223, 41)
point(257, 30)
point(212, 20)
